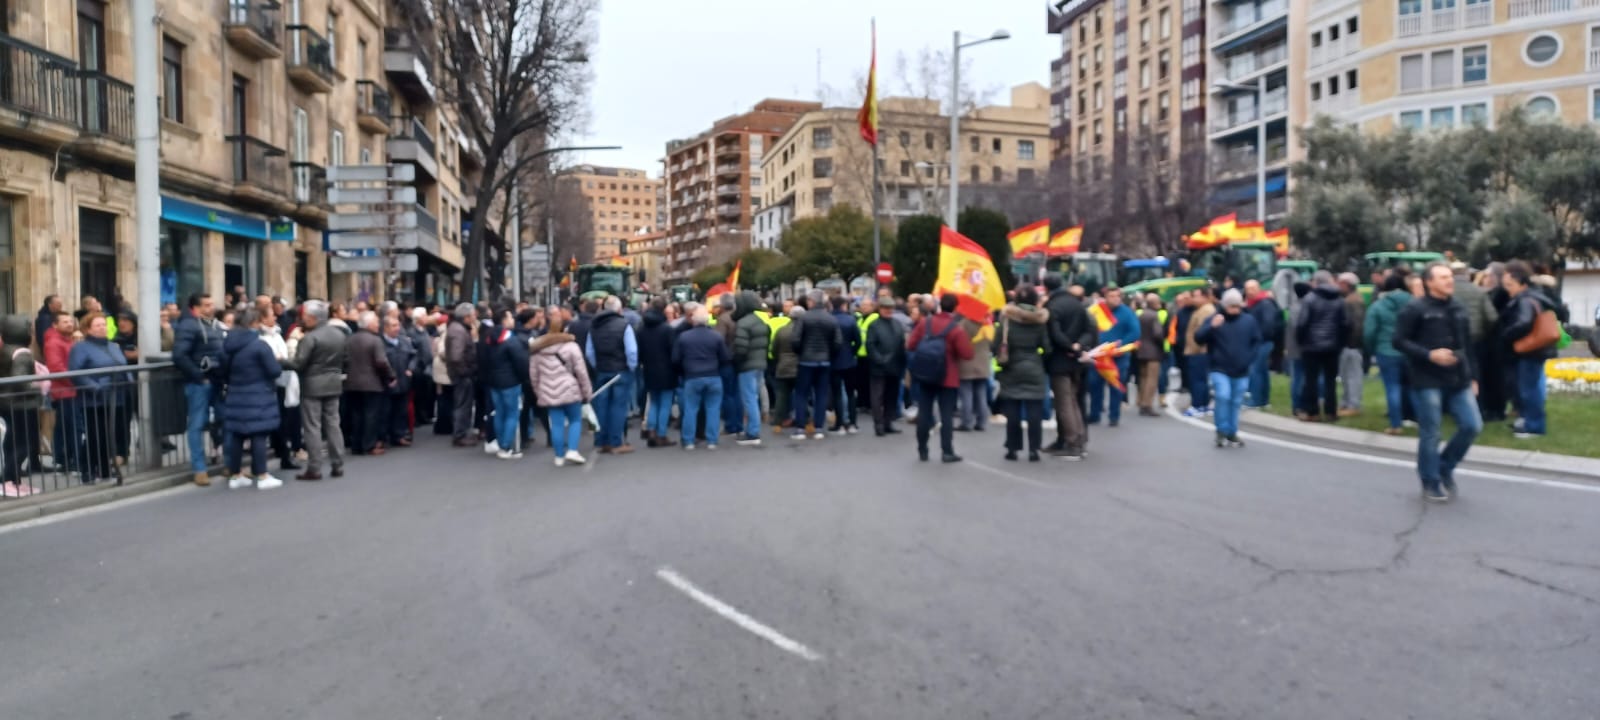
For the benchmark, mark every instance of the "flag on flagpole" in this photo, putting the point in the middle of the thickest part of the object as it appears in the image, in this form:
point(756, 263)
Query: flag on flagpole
point(1218, 232)
point(715, 294)
point(867, 118)
point(733, 277)
point(1065, 242)
point(1280, 238)
point(966, 271)
point(1030, 238)
point(1249, 232)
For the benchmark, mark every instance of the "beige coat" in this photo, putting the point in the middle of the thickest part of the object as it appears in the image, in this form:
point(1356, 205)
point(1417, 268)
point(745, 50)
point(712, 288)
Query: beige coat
point(1201, 316)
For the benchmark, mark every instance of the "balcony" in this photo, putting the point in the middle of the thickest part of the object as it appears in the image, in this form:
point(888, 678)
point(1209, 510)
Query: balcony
point(408, 65)
point(254, 29)
point(372, 107)
point(1241, 161)
point(1240, 67)
point(1334, 50)
point(1533, 8)
point(39, 94)
point(729, 169)
point(310, 192)
point(107, 118)
point(410, 142)
point(260, 172)
point(728, 149)
point(1275, 103)
point(310, 60)
point(729, 189)
point(1336, 105)
point(1244, 25)
point(427, 230)
point(1468, 15)
point(1594, 60)
point(728, 210)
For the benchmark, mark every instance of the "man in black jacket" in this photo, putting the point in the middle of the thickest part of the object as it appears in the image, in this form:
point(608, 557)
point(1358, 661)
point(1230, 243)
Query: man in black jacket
point(816, 341)
point(1322, 330)
point(1070, 334)
point(886, 364)
point(1526, 305)
point(1435, 335)
point(197, 353)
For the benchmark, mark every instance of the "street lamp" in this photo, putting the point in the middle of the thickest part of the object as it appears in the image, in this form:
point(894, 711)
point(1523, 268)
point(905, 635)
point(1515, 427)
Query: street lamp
point(516, 215)
point(1259, 88)
point(955, 116)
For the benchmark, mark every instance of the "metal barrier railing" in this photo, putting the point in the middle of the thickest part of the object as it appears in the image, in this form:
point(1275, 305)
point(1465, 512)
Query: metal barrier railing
point(93, 426)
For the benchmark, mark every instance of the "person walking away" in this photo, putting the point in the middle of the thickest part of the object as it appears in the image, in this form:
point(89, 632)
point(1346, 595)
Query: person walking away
point(722, 321)
point(423, 394)
point(1070, 334)
point(1378, 338)
point(506, 373)
point(1152, 341)
point(401, 352)
point(750, 363)
point(886, 363)
point(843, 367)
point(285, 438)
point(250, 405)
point(1262, 306)
point(103, 397)
point(972, 395)
point(1195, 354)
point(1023, 343)
point(613, 351)
point(19, 404)
point(935, 349)
point(368, 376)
point(561, 385)
point(319, 359)
point(700, 353)
point(1434, 333)
point(786, 371)
point(1498, 371)
point(197, 353)
point(1531, 331)
point(656, 336)
point(1352, 364)
point(461, 367)
point(1233, 341)
point(1292, 360)
point(1323, 329)
point(817, 340)
point(1116, 323)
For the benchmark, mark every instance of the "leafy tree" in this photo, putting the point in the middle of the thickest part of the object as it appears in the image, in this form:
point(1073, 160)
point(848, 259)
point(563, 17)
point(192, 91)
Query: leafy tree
point(989, 228)
point(838, 244)
point(711, 275)
point(761, 269)
point(916, 254)
point(1513, 228)
point(1340, 222)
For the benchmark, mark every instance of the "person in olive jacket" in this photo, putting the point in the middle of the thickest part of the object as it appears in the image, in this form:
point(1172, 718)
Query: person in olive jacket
point(1024, 342)
point(786, 369)
point(1152, 348)
point(886, 365)
point(319, 358)
point(750, 338)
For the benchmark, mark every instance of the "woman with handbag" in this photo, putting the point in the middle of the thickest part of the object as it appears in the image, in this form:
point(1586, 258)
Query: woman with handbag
point(1532, 331)
point(1021, 345)
point(560, 381)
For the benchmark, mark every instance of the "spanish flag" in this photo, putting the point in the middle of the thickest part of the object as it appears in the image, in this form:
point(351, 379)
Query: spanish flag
point(1280, 237)
point(733, 277)
point(715, 293)
point(1249, 232)
point(619, 260)
point(1029, 239)
point(868, 116)
point(966, 271)
point(1065, 242)
point(1217, 233)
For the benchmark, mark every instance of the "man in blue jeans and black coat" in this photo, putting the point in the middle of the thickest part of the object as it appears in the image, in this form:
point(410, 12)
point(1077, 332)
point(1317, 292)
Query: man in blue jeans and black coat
point(197, 353)
point(1435, 335)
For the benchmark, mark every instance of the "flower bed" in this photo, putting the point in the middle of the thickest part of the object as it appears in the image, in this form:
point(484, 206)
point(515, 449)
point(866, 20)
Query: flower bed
point(1573, 375)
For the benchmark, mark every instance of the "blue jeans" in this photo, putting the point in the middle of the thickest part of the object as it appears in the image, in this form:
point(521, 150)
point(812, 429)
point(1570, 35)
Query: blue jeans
point(611, 408)
point(811, 385)
point(198, 397)
point(730, 400)
point(700, 391)
point(750, 396)
point(1392, 369)
point(1098, 388)
point(1199, 381)
point(1297, 381)
point(1530, 392)
point(1432, 403)
point(659, 418)
point(566, 427)
point(1261, 376)
point(1230, 396)
point(507, 411)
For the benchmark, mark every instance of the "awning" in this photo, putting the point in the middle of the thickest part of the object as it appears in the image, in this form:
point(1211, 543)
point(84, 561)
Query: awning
point(257, 227)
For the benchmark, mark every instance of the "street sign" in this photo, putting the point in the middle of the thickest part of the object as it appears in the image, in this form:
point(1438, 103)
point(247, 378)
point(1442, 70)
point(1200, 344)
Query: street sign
point(398, 240)
point(373, 221)
point(400, 172)
point(399, 194)
point(390, 263)
point(885, 273)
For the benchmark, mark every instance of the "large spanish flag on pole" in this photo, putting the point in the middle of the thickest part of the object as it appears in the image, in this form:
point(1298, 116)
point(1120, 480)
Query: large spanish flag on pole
point(1218, 232)
point(966, 271)
point(867, 118)
point(1065, 242)
point(733, 277)
point(1029, 239)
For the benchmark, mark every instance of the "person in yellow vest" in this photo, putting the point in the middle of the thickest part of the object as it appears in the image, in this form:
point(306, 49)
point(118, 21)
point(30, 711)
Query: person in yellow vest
point(860, 378)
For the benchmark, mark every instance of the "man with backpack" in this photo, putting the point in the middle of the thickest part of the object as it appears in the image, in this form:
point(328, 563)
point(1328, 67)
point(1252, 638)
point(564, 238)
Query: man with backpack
point(937, 344)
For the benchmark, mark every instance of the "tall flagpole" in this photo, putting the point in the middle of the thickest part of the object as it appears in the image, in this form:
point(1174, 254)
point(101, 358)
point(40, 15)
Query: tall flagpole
point(877, 230)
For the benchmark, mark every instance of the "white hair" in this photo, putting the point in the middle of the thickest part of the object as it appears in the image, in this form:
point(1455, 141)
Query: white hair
point(368, 319)
point(613, 303)
point(701, 317)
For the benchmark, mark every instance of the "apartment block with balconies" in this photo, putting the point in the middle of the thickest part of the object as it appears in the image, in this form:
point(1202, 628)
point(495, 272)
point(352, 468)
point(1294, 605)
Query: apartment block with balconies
point(1251, 46)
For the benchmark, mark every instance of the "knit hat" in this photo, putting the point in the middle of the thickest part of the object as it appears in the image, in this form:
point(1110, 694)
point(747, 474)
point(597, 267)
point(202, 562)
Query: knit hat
point(1232, 298)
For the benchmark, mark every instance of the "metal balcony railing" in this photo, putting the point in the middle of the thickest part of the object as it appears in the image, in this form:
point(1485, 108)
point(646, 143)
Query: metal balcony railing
point(372, 99)
point(259, 18)
point(37, 82)
point(407, 127)
point(402, 39)
point(310, 183)
point(1263, 12)
point(309, 50)
point(107, 106)
point(257, 162)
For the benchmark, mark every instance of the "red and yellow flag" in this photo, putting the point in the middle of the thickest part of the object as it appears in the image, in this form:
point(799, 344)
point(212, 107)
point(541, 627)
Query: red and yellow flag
point(1065, 242)
point(619, 260)
point(715, 293)
point(1249, 232)
point(966, 271)
point(1030, 238)
point(1280, 237)
point(733, 277)
point(868, 116)
point(1218, 232)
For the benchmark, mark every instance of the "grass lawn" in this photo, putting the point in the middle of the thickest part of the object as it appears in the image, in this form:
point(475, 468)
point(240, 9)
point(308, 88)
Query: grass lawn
point(1572, 420)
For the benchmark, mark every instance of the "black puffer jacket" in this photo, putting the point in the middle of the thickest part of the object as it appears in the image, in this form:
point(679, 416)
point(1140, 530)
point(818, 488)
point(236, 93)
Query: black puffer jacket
point(1323, 325)
point(655, 352)
point(507, 363)
point(1430, 324)
point(1068, 324)
point(817, 337)
point(197, 348)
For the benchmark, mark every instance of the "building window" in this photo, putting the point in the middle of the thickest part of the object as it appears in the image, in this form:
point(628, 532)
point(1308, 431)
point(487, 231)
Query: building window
point(822, 168)
point(1475, 64)
point(1099, 55)
point(998, 174)
point(1443, 69)
point(998, 145)
point(1594, 104)
point(1166, 23)
point(1164, 105)
point(8, 263)
point(1099, 131)
point(1353, 24)
point(335, 148)
point(1543, 106)
point(1411, 120)
point(1144, 113)
point(1099, 97)
point(1083, 139)
point(905, 168)
point(1120, 121)
point(927, 140)
point(171, 79)
point(822, 138)
point(1024, 149)
point(333, 41)
point(1350, 80)
point(1119, 83)
point(1144, 31)
point(1333, 86)
point(1410, 7)
point(905, 139)
point(1542, 49)
point(1411, 77)
point(1144, 74)
point(1083, 102)
point(973, 143)
point(1444, 117)
point(1163, 64)
point(1316, 91)
point(977, 174)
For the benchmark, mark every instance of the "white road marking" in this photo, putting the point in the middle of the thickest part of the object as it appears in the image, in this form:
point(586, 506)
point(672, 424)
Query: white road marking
point(97, 509)
point(1010, 475)
point(1172, 412)
point(732, 614)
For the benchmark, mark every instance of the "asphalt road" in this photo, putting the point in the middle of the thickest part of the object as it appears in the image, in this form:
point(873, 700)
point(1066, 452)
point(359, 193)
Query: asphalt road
point(1161, 578)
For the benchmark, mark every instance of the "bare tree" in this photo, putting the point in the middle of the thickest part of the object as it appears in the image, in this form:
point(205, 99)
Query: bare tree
point(515, 72)
point(1169, 192)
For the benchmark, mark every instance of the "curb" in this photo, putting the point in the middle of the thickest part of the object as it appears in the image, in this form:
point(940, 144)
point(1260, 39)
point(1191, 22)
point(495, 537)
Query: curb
point(91, 496)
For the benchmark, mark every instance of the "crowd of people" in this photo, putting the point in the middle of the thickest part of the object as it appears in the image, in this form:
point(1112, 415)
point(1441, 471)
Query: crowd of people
point(321, 381)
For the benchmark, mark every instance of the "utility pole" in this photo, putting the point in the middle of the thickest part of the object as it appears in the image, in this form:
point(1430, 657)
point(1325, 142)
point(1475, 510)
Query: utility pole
point(147, 175)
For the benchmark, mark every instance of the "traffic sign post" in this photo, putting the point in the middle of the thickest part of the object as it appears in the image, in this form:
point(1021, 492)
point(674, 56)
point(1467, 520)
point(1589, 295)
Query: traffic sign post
point(384, 218)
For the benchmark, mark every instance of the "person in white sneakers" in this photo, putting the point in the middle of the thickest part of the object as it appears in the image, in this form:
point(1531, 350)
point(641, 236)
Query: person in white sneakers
point(250, 408)
point(561, 385)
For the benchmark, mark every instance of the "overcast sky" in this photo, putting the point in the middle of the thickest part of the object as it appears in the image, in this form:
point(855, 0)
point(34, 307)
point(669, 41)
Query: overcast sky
point(665, 69)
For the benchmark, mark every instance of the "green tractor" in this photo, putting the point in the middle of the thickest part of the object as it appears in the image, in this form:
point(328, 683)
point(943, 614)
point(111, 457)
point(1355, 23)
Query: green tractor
point(595, 282)
point(1304, 268)
point(1091, 270)
point(1414, 261)
point(681, 293)
point(1241, 261)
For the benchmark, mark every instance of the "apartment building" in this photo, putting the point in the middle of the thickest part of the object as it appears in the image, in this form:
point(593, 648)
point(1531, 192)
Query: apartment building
point(623, 202)
point(1127, 104)
point(1249, 50)
point(1445, 63)
point(257, 100)
point(645, 254)
point(822, 160)
point(714, 185)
